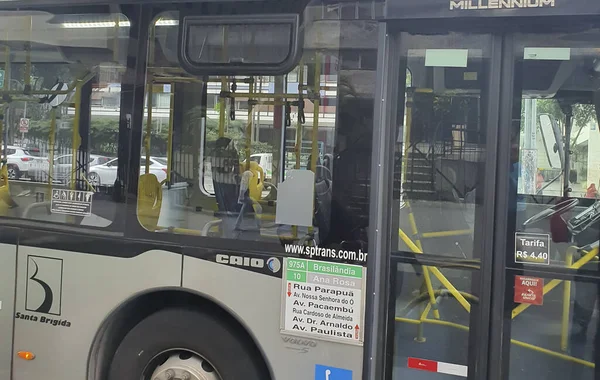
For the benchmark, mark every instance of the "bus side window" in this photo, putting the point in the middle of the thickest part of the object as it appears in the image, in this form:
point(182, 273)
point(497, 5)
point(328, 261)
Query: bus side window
point(239, 171)
point(50, 175)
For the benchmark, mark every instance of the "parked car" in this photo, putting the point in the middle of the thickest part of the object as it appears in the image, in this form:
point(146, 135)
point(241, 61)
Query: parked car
point(18, 161)
point(63, 165)
point(106, 174)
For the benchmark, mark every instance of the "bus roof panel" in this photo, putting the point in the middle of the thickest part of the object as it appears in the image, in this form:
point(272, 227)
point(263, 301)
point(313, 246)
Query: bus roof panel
point(432, 9)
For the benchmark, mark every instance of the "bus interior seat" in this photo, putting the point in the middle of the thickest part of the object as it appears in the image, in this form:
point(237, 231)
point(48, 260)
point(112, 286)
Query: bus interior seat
point(7, 200)
point(149, 201)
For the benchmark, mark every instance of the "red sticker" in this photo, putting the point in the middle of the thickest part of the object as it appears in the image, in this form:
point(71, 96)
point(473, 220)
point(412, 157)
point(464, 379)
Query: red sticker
point(422, 364)
point(529, 290)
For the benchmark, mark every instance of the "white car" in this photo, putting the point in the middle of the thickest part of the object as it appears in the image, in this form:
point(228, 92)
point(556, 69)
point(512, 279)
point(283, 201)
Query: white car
point(61, 171)
point(18, 161)
point(106, 174)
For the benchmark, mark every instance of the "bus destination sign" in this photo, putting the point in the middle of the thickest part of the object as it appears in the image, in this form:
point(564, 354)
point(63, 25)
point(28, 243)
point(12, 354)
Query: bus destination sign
point(323, 300)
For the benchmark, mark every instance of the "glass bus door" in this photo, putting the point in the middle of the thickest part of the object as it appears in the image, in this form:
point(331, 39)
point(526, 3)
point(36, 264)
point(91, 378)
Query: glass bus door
point(496, 213)
point(549, 308)
point(439, 219)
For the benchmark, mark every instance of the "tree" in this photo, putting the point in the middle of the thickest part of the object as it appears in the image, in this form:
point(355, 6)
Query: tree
point(583, 114)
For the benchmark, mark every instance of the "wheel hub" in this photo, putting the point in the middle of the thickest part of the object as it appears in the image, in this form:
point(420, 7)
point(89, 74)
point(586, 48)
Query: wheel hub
point(185, 366)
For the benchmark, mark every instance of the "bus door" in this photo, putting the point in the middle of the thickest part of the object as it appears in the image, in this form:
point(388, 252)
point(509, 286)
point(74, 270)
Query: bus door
point(441, 162)
point(492, 139)
point(8, 260)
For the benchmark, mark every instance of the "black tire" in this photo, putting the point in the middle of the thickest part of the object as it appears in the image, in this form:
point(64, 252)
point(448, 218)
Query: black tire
point(192, 330)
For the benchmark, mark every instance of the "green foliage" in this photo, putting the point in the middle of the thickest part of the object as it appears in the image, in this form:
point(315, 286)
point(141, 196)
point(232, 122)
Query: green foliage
point(104, 131)
point(234, 129)
point(583, 114)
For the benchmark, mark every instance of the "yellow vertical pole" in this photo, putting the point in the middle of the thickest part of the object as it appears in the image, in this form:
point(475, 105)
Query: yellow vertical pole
point(315, 127)
point(222, 100)
point(148, 133)
point(5, 88)
point(51, 142)
point(564, 335)
point(2, 131)
point(222, 106)
point(249, 125)
point(170, 136)
point(299, 124)
point(27, 73)
point(6, 68)
point(317, 104)
point(76, 138)
point(406, 139)
point(150, 94)
point(116, 40)
point(257, 124)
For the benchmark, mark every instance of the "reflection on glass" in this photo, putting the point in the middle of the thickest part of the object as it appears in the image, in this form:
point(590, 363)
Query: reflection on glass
point(439, 184)
point(557, 81)
point(282, 159)
point(427, 333)
point(442, 144)
point(555, 339)
point(71, 69)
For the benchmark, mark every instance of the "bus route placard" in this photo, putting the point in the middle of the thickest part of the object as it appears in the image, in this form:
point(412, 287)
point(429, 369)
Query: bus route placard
point(323, 300)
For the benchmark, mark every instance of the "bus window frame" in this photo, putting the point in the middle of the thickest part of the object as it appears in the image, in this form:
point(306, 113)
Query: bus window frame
point(117, 227)
point(272, 69)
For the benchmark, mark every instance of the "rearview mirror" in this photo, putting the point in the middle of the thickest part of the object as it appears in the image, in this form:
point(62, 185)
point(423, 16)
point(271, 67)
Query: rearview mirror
point(552, 138)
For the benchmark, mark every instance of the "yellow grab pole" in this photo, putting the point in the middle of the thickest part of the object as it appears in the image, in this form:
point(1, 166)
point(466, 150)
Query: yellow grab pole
point(6, 86)
point(249, 125)
point(316, 104)
point(222, 106)
point(27, 74)
point(432, 300)
point(439, 275)
point(148, 125)
point(564, 335)
point(299, 124)
point(426, 275)
point(553, 353)
point(51, 142)
point(2, 131)
point(116, 40)
point(413, 226)
point(406, 139)
point(554, 283)
point(222, 101)
point(76, 137)
point(298, 147)
point(256, 95)
point(448, 233)
point(420, 338)
point(170, 136)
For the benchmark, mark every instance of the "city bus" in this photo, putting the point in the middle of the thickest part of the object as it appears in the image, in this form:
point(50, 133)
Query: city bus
point(429, 208)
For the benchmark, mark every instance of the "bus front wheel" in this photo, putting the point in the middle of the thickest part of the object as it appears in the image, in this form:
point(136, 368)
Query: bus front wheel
point(184, 344)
